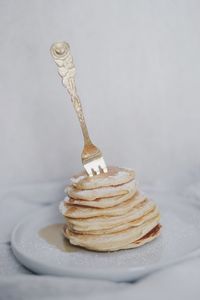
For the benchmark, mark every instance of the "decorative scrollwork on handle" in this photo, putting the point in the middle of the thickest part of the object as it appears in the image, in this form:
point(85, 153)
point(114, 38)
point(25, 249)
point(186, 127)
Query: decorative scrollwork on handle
point(66, 69)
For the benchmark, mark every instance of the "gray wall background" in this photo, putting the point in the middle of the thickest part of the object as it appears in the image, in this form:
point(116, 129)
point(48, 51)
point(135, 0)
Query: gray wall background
point(138, 73)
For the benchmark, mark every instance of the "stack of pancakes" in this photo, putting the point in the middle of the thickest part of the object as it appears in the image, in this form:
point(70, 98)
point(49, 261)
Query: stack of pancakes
point(106, 212)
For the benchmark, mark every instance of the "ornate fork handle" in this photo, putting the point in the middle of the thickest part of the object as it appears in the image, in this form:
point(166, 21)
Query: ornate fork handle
point(66, 69)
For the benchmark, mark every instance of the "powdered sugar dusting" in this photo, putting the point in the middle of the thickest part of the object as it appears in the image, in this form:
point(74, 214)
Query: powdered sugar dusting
point(77, 179)
point(112, 178)
point(66, 200)
point(100, 192)
point(121, 175)
point(62, 208)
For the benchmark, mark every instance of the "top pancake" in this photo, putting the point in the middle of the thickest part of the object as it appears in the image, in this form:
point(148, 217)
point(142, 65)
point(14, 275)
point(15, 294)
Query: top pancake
point(114, 176)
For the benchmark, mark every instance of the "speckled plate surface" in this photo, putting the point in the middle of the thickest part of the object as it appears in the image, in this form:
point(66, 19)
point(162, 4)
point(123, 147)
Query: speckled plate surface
point(179, 240)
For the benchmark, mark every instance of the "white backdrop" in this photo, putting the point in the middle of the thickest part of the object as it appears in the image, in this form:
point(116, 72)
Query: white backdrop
point(138, 72)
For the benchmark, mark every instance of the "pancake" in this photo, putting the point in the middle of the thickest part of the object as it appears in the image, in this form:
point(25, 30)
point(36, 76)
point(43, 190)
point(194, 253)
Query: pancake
point(103, 192)
point(137, 222)
point(75, 211)
point(113, 241)
point(150, 236)
point(106, 222)
point(102, 202)
point(114, 176)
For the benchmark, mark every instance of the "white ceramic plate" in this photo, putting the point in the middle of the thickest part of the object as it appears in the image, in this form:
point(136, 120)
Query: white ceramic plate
point(180, 239)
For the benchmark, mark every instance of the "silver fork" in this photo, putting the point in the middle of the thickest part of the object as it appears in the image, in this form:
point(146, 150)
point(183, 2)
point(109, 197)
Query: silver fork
point(91, 156)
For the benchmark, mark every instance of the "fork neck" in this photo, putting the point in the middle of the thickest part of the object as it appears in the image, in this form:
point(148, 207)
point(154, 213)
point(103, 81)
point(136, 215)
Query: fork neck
point(86, 137)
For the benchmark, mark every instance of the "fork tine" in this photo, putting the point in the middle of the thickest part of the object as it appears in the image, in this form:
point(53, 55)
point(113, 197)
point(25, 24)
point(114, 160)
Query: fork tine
point(105, 170)
point(88, 170)
point(96, 169)
point(98, 172)
point(102, 165)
